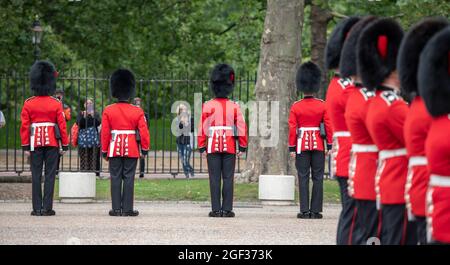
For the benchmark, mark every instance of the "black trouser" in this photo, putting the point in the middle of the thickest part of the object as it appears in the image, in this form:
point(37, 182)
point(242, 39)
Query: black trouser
point(367, 221)
point(310, 162)
point(395, 228)
point(221, 166)
point(122, 170)
point(346, 223)
point(421, 226)
point(39, 157)
point(141, 166)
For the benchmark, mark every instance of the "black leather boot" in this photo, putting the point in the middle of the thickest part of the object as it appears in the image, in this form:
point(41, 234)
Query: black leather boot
point(131, 213)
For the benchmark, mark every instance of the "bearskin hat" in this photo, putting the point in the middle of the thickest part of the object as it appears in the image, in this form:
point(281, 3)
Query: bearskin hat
point(122, 84)
point(347, 64)
point(377, 51)
point(308, 78)
point(43, 78)
point(434, 73)
point(222, 80)
point(410, 49)
point(336, 42)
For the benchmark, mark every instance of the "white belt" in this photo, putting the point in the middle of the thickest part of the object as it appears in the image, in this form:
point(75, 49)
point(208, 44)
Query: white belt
point(309, 129)
point(439, 181)
point(385, 154)
point(342, 134)
point(123, 132)
point(42, 124)
point(214, 128)
point(364, 148)
point(417, 161)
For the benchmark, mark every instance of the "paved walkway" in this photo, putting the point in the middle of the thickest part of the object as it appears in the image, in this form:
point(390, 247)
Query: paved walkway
point(164, 223)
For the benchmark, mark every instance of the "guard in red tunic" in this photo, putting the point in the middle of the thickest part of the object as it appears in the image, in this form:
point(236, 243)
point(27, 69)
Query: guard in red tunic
point(43, 134)
point(222, 124)
point(377, 57)
point(124, 138)
point(434, 87)
point(335, 104)
point(418, 120)
point(364, 153)
point(308, 126)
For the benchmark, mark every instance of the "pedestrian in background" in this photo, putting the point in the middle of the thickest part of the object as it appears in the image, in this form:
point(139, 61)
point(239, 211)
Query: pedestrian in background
point(88, 121)
point(2, 120)
point(138, 103)
point(66, 108)
point(185, 138)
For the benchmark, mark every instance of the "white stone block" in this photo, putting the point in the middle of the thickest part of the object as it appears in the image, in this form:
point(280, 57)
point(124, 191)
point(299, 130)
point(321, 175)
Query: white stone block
point(277, 189)
point(77, 187)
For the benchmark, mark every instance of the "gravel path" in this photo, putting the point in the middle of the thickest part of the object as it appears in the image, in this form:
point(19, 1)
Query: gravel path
point(164, 223)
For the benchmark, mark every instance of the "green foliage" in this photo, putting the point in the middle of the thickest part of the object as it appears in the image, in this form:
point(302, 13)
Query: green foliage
point(151, 37)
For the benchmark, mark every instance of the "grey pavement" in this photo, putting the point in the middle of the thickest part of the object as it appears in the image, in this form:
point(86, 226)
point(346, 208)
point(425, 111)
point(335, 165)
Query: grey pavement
point(183, 223)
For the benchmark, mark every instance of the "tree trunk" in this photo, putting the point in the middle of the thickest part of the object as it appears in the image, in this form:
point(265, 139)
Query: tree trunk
point(279, 59)
point(319, 21)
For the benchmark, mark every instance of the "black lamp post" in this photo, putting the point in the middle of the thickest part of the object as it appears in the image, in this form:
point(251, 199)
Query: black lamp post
point(36, 37)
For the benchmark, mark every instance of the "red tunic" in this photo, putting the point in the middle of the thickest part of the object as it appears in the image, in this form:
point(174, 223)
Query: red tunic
point(304, 121)
point(39, 117)
point(437, 148)
point(416, 128)
point(120, 122)
point(386, 115)
point(363, 163)
point(221, 123)
point(336, 100)
point(385, 118)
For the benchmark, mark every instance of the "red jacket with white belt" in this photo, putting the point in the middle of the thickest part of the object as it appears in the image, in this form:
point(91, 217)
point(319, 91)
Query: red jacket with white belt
point(221, 123)
point(39, 117)
point(304, 121)
point(120, 122)
point(437, 148)
point(364, 155)
point(336, 101)
point(416, 128)
point(385, 118)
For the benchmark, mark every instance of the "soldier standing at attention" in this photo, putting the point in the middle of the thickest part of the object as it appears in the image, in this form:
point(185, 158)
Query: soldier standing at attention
point(306, 142)
point(417, 121)
point(221, 123)
point(434, 86)
point(364, 153)
point(336, 98)
point(378, 48)
point(121, 146)
point(43, 134)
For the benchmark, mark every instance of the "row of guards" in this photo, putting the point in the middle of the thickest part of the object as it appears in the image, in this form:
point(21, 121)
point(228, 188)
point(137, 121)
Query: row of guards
point(75, 88)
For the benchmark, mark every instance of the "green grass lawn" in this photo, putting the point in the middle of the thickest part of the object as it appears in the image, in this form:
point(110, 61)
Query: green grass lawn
point(195, 190)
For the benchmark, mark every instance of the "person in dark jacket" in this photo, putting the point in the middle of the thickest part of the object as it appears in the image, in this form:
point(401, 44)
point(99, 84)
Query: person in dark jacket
point(88, 122)
point(138, 103)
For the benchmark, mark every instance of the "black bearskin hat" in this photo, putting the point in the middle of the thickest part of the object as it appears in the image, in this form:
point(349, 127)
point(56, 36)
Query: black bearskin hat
point(377, 51)
point(347, 64)
point(409, 54)
point(308, 78)
point(122, 84)
point(434, 73)
point(43, 78)
point(336, 42)
point(222, 80)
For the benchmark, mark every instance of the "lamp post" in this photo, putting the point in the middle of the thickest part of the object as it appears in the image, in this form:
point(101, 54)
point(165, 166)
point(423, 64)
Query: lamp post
point(36, 37)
